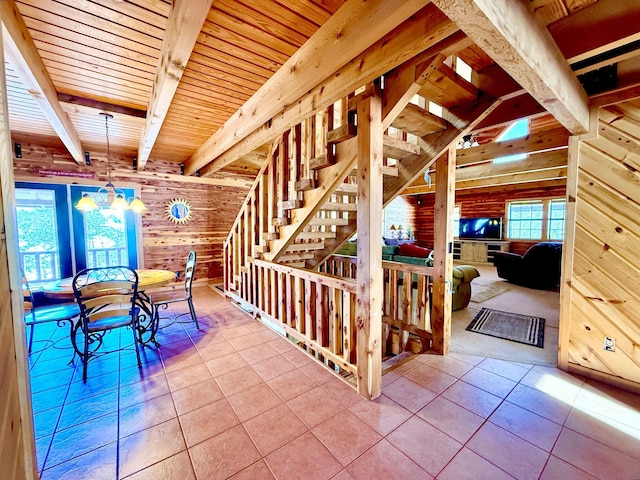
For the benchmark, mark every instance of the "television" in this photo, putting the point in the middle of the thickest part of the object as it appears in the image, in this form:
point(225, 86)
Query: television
point(480, 228)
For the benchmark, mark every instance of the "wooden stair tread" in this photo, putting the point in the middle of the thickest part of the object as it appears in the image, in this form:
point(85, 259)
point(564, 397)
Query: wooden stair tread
point(418, 121)
point(329, 221)
point(339, 207)
point(301, 247)
point(399, 149)
point(448, 89)
point(347, 189)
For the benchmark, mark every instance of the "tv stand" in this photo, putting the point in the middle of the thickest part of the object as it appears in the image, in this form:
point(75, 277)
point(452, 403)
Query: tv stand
point(478, 251)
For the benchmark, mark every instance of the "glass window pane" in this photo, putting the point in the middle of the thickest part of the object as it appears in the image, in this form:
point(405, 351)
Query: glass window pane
point(106, 237)
point(38, 234)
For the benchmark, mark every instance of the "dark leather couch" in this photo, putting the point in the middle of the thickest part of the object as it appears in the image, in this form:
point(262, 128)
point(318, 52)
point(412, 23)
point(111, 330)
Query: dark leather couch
point(539, 267)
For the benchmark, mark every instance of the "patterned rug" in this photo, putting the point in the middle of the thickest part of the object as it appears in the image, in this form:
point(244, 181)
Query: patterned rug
point(481, 292)
point(510, 326)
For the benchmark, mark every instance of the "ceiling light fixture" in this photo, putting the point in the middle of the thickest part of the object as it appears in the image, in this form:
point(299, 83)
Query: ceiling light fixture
point(109, 194)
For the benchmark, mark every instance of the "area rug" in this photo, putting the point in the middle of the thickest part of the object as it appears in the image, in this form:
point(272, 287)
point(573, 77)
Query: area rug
point(510, 326)
point(481, 292)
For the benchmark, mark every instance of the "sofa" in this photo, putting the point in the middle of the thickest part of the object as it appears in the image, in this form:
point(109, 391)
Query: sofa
point(539, 267)
point(415, 255)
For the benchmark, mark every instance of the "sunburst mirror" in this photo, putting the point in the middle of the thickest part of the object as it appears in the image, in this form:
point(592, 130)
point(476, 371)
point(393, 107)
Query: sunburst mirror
point(178, 210)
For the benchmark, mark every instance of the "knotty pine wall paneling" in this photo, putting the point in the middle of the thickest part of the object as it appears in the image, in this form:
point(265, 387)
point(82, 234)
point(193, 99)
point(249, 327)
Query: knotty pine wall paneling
point(603, 284)
point(215, 201)
point(481, 202)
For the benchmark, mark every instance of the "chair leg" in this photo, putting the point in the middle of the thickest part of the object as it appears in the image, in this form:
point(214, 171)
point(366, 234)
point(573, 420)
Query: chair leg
point(194, 317)
point(135, 342)
point(31, 337)
point(85, 357)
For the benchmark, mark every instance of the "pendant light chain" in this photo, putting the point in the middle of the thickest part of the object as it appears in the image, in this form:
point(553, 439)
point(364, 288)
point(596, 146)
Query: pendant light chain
point(106, 128)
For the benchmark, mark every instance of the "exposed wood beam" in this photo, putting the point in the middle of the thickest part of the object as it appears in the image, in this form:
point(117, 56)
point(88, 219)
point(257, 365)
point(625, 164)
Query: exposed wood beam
point(537, 162)
point(429, 31)
point(515, 40)
point(183, 28)
point(348, 33)
point(434, 145)
point(101, 106)
point(600, 27)
point(22, 54)
point(547, 140)
point(537, 176)
point(523, 106)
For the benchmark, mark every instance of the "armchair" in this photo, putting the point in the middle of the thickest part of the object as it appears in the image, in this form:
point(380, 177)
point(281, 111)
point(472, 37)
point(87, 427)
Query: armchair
point(539, 267)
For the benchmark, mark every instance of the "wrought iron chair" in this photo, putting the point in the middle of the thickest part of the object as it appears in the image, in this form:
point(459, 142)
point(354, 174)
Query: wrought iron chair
point(162, 298)
point(36, 314)
point(106, 297)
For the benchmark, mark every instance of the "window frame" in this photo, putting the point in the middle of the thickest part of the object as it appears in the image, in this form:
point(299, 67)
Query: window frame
point(546, 211)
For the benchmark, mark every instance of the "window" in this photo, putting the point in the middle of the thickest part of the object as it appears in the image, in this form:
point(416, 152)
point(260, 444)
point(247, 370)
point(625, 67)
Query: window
point(518, 129)
point(55, 239)
point(536, 219)
point(456, 221)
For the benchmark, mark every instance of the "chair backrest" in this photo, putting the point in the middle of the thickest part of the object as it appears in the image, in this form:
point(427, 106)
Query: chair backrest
point(104, 293)
point(189, 271)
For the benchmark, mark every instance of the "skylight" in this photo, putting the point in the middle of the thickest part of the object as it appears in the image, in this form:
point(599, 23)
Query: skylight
point(517, 129)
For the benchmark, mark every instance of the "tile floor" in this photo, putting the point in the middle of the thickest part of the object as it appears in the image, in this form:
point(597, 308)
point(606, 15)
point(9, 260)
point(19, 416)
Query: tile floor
point(235, 400)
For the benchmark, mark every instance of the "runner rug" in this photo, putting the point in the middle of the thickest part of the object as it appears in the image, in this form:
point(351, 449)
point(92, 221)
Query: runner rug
point(510, 326)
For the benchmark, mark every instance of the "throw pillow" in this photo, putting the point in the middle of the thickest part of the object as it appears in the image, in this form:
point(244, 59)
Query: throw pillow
point(410, 250)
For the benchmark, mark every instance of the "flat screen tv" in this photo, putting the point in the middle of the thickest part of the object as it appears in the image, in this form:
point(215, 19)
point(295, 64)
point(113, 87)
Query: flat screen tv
point(481, 228)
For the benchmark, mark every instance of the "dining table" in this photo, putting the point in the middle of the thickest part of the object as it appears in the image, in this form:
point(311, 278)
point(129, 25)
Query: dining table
point(148, 279)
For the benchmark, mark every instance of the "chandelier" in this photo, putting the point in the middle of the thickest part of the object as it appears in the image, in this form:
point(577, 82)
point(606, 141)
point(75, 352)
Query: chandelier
point(109, 194)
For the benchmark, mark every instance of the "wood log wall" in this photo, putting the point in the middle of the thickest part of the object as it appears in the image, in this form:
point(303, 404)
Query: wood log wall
point(602, 286)
point(485, 202)
point(215, 201)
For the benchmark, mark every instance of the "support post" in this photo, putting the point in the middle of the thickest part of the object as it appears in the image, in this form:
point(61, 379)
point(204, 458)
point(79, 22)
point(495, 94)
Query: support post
point(443, 251)
point(369, 227)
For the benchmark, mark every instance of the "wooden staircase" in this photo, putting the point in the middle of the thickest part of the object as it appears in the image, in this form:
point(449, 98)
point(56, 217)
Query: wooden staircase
point(303, 205)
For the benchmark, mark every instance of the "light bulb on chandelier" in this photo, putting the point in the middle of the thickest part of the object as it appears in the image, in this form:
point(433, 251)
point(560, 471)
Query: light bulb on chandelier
point(109, 194)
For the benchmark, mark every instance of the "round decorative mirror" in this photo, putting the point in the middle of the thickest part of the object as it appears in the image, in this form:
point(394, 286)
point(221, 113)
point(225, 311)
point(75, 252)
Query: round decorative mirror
point(178, 210)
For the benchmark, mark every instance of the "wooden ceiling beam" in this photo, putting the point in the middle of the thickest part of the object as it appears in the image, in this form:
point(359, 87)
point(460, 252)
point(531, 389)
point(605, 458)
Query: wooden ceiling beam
point(516, 177)
point(347, 33)
point(600, 27)
point(183, 28)
point(429, 32)
point(511, 35)
point(547, 140)
point(534, 163)
point(22, 54)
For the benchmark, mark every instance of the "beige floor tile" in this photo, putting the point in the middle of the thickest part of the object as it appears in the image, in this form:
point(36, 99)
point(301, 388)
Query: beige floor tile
point(468, 465)
point(238, 380)
point(274, 428)
point(533, 428)
point(382, 414)
point(510, 453)
point(272, 367)
point(208, 421)
point(188, 376)
point(410, 395)
point(324, 406)
point(223, 455)
point(511, 370)
point(489, 382)
point(346, 436)
point(448, 364)
point(196, 396)
point(291, 384)
point(99, 464)
point(225, 364)
point(150, 446)
point(431, 378)
point(305, 458)
point(258, 353)
point(253, 401)
point(472, 398)
point(424, 444)
point(257, 471)
point(452, 419)
point(146, 414)
point(559, 469)
point(172, 468)
point(539, 403)
point(383, 462)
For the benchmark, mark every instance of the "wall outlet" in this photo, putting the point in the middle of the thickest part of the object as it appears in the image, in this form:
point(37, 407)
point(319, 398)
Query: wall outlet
point(610, 344)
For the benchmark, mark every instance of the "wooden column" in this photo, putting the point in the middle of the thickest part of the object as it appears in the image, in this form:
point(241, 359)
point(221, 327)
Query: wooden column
point(17, 444)
point(443, 248)
point(369, 278)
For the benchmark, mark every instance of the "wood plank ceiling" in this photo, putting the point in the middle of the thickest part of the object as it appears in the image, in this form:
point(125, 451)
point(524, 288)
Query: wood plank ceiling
point(104, 55)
